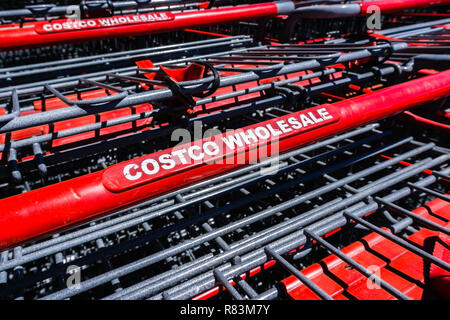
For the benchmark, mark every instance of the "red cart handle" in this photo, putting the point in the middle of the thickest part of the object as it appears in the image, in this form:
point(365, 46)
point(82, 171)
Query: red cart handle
point(44, 33)
point(54, 207)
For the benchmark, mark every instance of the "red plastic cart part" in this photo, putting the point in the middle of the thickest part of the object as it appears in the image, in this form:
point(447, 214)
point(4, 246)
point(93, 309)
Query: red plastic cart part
point(54, 207)
point(44, 33)
point(214, 291)
point(213, 34)
point(398, 266)
point(427, 122)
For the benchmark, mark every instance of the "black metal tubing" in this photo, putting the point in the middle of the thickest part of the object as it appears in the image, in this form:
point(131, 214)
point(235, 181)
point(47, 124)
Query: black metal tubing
point(128, 269)
point(15, 111)
point(81, 129)
point(443, 176)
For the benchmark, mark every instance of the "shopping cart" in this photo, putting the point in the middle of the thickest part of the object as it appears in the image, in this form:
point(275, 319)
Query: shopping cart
point(317, 158)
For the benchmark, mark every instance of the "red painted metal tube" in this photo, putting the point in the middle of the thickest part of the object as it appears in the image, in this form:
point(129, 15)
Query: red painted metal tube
point(47, 209)
point(46, 33)
point(398, 5)
point(426, 122)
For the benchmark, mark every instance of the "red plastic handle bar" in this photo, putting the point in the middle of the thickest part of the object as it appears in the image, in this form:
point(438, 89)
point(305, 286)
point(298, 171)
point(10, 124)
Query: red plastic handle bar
point(54, 207)
point(46, 33)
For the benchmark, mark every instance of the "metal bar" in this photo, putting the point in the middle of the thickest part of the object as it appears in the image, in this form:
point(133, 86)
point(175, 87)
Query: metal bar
point(429, 191)
point(419, 219)
point(289, 267)
point(231, 290)
point(386, 286)
point(207, 211)
point(81, 129)
point(247, 288)
point(440, 175)
point(270, 294)
point(444, 265)
point(416, 26)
